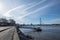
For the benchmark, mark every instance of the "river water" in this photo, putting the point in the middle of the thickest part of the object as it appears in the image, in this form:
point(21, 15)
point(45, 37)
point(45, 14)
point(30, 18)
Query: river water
point(47, 33)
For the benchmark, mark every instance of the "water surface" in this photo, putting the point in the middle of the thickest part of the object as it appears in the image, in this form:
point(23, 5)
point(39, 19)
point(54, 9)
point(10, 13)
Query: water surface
point(47, 33)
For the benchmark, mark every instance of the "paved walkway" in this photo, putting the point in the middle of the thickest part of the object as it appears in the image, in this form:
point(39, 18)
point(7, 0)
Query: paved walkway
point(9, 34)
point(2, 28)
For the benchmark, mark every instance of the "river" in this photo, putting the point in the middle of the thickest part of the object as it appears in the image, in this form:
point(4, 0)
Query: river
point(47, 33)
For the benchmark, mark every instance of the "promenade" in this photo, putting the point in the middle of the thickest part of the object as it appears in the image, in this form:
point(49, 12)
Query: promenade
point(8, 33)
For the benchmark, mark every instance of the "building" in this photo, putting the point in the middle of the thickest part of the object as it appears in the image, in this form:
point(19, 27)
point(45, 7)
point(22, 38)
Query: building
point(5, 22)
point(11, 22)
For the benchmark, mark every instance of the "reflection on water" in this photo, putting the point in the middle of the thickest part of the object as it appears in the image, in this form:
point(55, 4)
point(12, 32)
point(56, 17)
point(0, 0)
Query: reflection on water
point(48, 33)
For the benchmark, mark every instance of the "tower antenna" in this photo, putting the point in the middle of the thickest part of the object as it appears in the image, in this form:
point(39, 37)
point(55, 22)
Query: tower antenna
point(40, 21)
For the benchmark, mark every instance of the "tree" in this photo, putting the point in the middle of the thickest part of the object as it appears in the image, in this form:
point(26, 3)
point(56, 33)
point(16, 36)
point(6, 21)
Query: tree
point(11, 22)
point(3, 21)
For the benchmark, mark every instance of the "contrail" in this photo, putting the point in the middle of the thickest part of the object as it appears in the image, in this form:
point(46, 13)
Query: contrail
point(39, 9)
point(13, 9)
point(23, 6)
point(7, 13)
point(35, 4)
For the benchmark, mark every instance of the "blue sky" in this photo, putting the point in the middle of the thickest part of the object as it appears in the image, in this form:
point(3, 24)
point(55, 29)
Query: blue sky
point(30, 11)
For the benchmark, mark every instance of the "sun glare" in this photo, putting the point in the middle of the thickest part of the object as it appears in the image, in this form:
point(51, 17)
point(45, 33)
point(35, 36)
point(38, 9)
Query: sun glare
point(1, 6)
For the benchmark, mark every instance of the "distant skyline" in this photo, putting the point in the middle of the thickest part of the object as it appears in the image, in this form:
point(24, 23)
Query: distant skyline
point(30, 11)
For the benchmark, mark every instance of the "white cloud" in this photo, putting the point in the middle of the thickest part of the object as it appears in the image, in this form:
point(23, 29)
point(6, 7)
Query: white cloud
point(7, 14)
